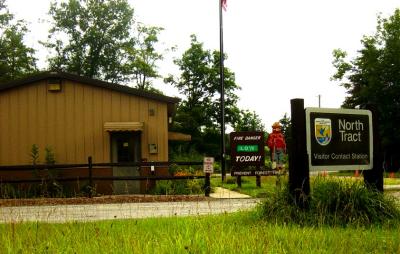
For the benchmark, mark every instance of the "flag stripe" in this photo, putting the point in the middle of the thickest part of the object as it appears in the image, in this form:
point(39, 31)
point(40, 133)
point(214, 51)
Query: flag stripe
point(224, 4)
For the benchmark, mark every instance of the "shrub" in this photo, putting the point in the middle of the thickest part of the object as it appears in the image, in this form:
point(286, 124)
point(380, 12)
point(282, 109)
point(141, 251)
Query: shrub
point(333, 202)
point(179, 187)
point(34, 154)
point(49, 155)
point(231, 180)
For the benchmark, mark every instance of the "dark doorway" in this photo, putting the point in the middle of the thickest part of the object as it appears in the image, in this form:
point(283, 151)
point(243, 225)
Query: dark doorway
point(125, 148)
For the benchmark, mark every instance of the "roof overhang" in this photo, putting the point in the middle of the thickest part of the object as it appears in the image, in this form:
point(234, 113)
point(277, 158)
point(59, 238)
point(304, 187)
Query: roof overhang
point(123, 126)
point(177, 136)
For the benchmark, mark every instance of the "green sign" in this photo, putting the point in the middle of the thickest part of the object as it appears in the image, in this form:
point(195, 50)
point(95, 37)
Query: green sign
point(247, 148)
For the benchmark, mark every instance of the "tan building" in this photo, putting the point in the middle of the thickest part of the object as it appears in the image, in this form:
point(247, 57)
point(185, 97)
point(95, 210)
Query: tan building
point(79, 117)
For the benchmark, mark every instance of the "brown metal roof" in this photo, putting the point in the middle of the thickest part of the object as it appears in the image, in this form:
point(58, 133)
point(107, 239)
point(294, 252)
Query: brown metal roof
point(88, 81)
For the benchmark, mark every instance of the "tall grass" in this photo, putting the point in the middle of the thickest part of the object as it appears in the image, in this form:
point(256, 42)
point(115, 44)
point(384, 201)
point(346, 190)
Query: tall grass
point(229, 233)
point(334, 202)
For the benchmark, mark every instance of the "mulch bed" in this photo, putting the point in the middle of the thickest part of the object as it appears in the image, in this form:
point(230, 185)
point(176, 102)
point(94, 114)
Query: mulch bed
point(101, 200)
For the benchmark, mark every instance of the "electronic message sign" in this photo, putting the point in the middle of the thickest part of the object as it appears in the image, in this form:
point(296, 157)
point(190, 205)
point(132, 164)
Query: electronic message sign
point(339, 139)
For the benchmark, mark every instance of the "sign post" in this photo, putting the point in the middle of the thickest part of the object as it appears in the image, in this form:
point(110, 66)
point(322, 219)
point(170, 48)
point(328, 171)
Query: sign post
point(208, 168)
point(374, 178)
point(208, 165)
point(299, 175)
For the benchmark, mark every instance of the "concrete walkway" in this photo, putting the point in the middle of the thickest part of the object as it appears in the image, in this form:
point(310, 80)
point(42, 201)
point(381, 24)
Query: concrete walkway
point(224, 201)
point(225, 193)
point(391, 187)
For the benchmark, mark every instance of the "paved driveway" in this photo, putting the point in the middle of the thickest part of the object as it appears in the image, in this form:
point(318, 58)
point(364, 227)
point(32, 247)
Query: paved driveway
point(66, 213)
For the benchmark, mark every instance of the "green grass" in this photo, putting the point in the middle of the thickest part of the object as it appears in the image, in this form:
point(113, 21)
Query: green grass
point(268, 185)
point(391, 181)
point(387, 179)
point(272, 228)
point(229, 233)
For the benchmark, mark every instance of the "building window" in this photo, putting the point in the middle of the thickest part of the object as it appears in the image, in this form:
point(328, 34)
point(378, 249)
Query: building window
point(54, 85)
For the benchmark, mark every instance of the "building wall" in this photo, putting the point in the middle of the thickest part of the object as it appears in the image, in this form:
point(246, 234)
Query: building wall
point(72, 121)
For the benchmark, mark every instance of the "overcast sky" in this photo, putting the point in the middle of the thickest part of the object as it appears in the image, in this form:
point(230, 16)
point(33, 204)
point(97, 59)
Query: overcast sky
point(279, 50)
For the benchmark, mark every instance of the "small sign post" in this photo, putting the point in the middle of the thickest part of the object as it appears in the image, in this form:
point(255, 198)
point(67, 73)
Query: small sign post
point(208, 165)
point(208, 168)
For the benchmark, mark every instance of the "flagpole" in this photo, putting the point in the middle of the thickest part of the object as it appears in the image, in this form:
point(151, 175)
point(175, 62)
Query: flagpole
point(221, 82)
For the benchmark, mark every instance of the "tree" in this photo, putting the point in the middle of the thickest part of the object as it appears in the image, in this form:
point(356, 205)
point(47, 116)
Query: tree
point(5, 16)
point(144, 57)
point(99, 39)
point(16, 59)
point(373, 77)
point(286, 124)
point(199, 112)
point(248, 121)
point(199, 83)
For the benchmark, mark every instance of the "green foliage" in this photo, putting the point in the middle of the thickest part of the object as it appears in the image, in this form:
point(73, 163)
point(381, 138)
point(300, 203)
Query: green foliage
point(334, 202)
point(231, 180)
point(49, 155)
point(199, 112)
point(286, 126)
point(34, 154)
point(372, 77)
point(45, 189)
point(100, 39)
point(199, 83)
point(180, 154)
point(227, 233)
point(48, 187)
point(5, 16)
point(16, 59)
point(8, 191)
point(268, 185)
point(182, 187)
point(89, 37)
point(179, 187)
point(391, 181)
point(143, 57)
point(248, 121)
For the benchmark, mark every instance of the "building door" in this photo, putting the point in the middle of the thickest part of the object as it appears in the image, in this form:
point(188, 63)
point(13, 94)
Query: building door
point(125, 148)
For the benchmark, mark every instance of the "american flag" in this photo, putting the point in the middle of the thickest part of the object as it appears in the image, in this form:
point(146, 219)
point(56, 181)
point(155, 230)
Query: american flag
point(224, 4)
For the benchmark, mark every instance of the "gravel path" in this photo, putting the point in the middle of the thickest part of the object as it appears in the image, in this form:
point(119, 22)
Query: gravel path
point(93, 212)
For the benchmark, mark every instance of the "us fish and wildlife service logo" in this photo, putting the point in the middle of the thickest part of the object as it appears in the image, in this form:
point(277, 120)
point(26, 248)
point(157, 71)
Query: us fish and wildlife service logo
point(323, 131)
